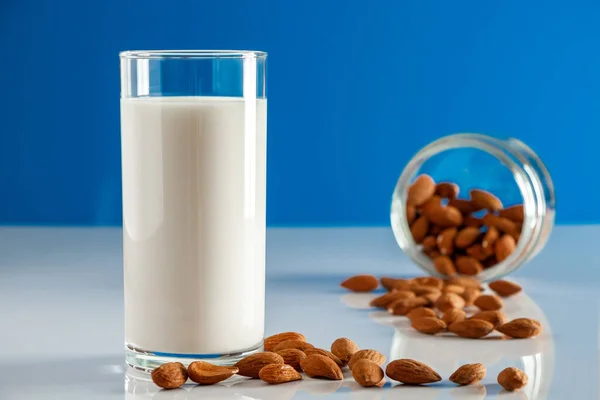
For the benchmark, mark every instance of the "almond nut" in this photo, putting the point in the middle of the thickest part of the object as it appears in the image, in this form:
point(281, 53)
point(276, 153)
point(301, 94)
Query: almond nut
point(514, 213)
point(274, 340)
point(170, 375)
point(490, 237)
point(344, 349)
point(503, 224)
point(421, 290)
point(512, 379)
point(403, 306)
point(471, 328)
point(468, 374)
point(326, 354)
point(361, 283)
point(293, 344)
point(504, 247)
point(421, 190)
point(465, 281)
point(447, 190)
point(411, 213)
point(489, 302)
point(386, 299)
point(292, 357)
point(250, 366)
point(444, 265)
point(470, 295)
point(478, 252)
point(485, 200)
point(454, 315)
point(428, 281)
point(467, 265)
point(419, 228)
point(449, 300)
point(411, 372)
point(505, 288)
point(495, 318)
point(395, 283)
point(464, 206)
point(421, 312)
point(367, 354)
point(278, 373)
point(319, 366)
point(521, 328)
point(445, 241)
point(446, 217)
point(428, 325)
point(367, 373)
point(205, 373)
point(473, 221)
point(466, 237)
point(431, 205)
point(429, 243)
point(454, 289)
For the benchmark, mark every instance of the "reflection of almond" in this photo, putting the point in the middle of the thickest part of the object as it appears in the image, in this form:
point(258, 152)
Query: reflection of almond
point(471, 328)
point(205, 373)
point(468, 374)
point(411, 372)
point(319, 366)
point(367, 373)
point(274, 340)
point(278, 373)
point(344, 349)
point(250, 366)
point(361, 283)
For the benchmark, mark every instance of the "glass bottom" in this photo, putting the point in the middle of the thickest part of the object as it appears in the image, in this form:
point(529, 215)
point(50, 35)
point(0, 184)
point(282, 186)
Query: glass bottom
point(146, 361)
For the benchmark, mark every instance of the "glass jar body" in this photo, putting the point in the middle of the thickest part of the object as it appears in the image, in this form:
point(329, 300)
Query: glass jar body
point(508, 165)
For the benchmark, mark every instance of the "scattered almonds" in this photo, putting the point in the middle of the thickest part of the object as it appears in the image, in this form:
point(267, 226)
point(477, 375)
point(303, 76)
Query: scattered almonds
point(495, 318)
point(325, 353)
point(319, 366)
point(272, 341)
point(361, 283)
point(505, 288)
point(471, 328)
point(454, 315)
point(279, 373)
point(205, 373)
point(411, 372)
point(250, 366)
point(512, 379)
point(170, 375)
point(421, 312)
point(449, 300)
point(468, 374)
point(429, 325)
point(344, 349)
point(293, 344)
point(368, 373)
point(367, 354)
point(386, 299)
point(292, 357)
point(521, 328)
point(489, 302)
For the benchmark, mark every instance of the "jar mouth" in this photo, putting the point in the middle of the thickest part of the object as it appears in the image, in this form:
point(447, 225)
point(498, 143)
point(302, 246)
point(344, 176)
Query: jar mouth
point(195, 54)
point(507, 152)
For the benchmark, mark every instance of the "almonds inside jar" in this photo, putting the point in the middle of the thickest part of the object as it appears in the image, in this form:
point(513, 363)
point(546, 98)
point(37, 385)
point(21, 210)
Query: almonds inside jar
point(462, 235)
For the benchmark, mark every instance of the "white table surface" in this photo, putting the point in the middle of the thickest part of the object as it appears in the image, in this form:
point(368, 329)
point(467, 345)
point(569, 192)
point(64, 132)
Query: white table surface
point(61, 318)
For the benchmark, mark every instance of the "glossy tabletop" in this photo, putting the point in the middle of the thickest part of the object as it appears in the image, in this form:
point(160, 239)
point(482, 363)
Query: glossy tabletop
point(61, 309)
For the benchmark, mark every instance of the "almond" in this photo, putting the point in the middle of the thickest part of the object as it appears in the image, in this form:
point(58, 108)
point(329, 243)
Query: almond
point(444, 265)
point(205, 373)
point(478, 252)
point(421, 290)
point(465, 281)
point(421, 312)
point(319, 366)
point(170, 375)
point(521, 328)
point(292, 357)
point(495, 318)
point(445, 241)
point(512, 379)
point(514, 213)
point(428, 325)
point(344, 349)
point(454, 315)
point(430, 298)
point(367, 373)
point(278, 373)
point(411, 213)
point(293, 344)
point(470, 295)
point(326, 354)
point(447, 190)
point(367, 354)
point(473, 221)
point(468, 374)
point(485, 200)
point(403, 306)
point(431, 205)
point(489, 302)
point(505, 288)
point(250, 366)
point(471, 328)
point(274, 340)
point(504, 247)
point(464, 206)
point(386, 299)
point(361, 283)
point(467, 265)
point(454, 289)
point(446, 217)
point(419, 228)
point(421, 190)
point(429, 281)
point(490, 237)
point(466, 237)
point(411, 372)
point(435, 230)
point(502, 224)
point(449, 300)
point(395, 283)
point(429, 243)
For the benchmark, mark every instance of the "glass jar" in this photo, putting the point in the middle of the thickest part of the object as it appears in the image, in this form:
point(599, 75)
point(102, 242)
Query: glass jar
point(481, 161)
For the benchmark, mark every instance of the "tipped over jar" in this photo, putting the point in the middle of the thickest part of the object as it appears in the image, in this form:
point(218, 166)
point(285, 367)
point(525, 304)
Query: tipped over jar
point(471, 204)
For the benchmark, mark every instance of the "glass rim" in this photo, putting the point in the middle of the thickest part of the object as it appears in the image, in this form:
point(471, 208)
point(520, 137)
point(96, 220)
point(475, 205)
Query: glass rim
point(195, 54)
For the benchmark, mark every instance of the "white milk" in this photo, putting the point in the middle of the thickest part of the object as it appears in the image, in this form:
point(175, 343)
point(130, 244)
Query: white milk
point(194, 223)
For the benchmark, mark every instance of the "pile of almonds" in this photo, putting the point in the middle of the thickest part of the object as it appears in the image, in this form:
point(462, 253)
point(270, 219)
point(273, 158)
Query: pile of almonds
point(435, 306)
point(462, 236)
point(288, 354)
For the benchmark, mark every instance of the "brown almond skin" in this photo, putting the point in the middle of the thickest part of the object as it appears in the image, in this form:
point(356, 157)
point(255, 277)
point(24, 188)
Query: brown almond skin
point(466, 237)
point(445, 241)
point(421, 290)
point(514, 213)
point(473, 221)
point(419, 228)
point(512, 379)
point(428, 325)
point(446, 217)
point(470, 295)
point(344, 349)
point(478, 252)
point(430, 298)
point(502, 224)
point(319, 366)
point(453, 315)
point(454, 289)
point(386, 299)
point(468, 374)
point(278, 373)
point(274, 340)
point(490, 237)
point(367, 354)
point(435, 230)
point(360, 283)
point(250, 366)
point(403, 306)
point(431, 281)
point(449, 300)
point(204, 373)
point(447, 190)
point(429, 243)
point(489, 302)
point(325, 353)
point(521, 328)
point(505, 288)
point(395, 283)
point(421, 312)
point(411, 372)
point(496, 318)
point(170, 375)
point(421, 190)
point(485, 200)
point(432, 253)
point(444, 265)
point(292, 357)
point(464, 206)
point(367, 373)
point(467, 265)
point(431, 205)
point(411, 214)
point(471, 328)
point(293, 344)
point(465, 281)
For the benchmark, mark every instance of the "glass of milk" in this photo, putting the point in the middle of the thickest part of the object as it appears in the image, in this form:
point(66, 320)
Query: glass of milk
point(193, 136)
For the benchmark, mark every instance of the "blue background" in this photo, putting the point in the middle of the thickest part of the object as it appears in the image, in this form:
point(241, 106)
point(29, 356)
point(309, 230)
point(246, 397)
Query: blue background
point(355, 88)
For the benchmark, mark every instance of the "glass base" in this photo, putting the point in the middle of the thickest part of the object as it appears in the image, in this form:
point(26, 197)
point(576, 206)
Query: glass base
point(146, 361)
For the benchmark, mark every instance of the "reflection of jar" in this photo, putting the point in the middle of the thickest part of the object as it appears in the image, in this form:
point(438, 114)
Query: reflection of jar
point(480, 161)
